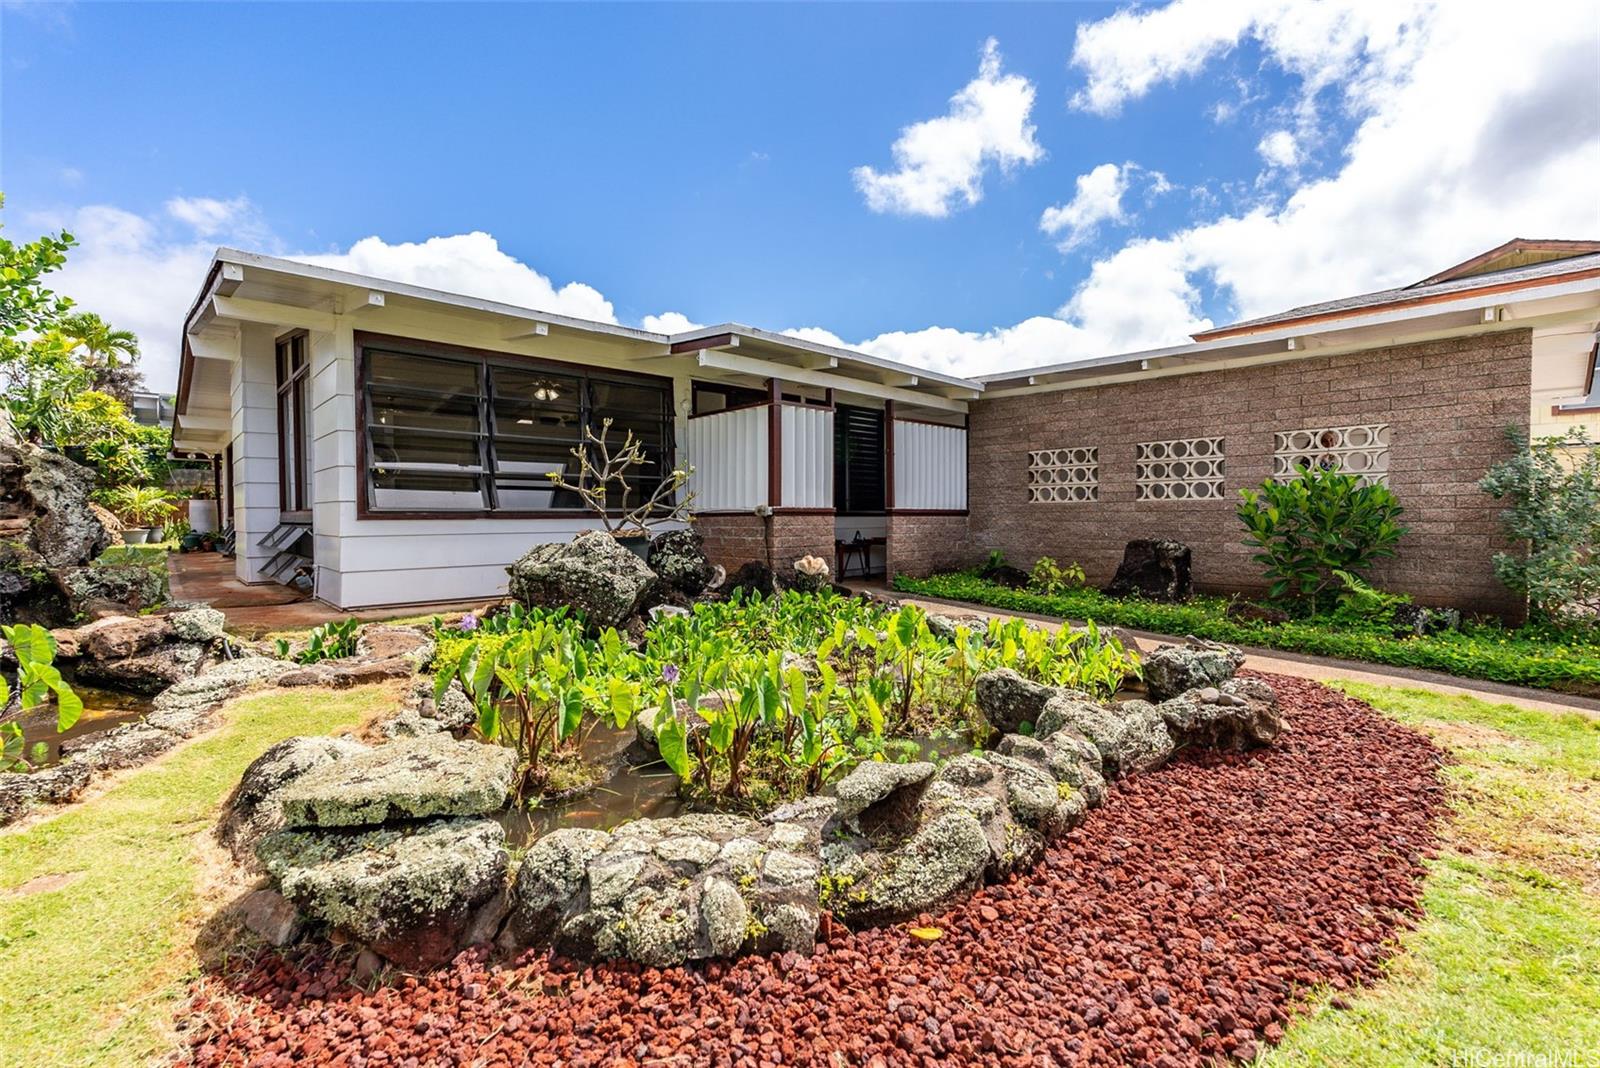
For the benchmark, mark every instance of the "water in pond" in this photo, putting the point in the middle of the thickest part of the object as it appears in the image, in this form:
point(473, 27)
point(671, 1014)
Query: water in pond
point(647, 791)
point(102, 710)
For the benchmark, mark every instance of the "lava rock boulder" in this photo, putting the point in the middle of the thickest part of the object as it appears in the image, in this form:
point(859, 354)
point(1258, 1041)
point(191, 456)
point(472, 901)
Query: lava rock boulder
point(593, 573)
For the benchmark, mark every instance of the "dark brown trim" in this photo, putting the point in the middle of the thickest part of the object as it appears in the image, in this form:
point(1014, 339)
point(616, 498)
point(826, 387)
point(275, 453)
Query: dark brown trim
point(420, 347)
point(715, 341)
point(725, 411)
point(774, 443)
point(1556, 409)
point(804, 511)
point(294, 385)
point(1515, 245)
point(186, 358)
point(930, 422)
point(1588, 378)
point(466, 353)
point(930, 511)
point(888, 456)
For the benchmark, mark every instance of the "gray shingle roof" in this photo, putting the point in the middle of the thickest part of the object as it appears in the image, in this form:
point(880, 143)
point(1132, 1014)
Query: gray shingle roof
point(1533, 272)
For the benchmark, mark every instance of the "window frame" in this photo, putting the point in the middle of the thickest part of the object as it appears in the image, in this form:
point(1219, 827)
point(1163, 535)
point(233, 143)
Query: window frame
point(485, 360)
point(295, 387)
point(841, 468)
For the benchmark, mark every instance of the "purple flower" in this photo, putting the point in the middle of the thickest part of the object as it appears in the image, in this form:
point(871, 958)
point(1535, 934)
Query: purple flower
point(669, 674)
point(468, 624)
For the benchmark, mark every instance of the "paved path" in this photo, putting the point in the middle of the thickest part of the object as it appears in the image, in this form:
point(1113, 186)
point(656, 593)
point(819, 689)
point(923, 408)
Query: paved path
point(1318, 668)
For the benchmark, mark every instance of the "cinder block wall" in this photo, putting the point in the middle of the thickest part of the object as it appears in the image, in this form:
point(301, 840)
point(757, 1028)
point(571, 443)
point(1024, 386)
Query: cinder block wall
point(734, 539)
point(920, 545)
point(1447, 403)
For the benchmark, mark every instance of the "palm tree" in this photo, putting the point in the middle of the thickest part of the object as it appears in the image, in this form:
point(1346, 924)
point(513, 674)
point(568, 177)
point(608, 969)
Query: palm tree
point(110, 355)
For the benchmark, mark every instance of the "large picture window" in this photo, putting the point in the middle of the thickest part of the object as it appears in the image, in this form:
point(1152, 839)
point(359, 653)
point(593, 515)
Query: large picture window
point(294, 424)
point(458, 431)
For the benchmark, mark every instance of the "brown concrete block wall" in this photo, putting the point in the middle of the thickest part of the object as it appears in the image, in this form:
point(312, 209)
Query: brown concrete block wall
point(1447, 404)
point(732, 540)
point(920, 545)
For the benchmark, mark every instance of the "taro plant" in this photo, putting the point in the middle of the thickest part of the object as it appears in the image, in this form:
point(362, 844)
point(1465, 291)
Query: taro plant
point(37, 680)
point(330, 641)
point(531, 689)
point(1315, 524)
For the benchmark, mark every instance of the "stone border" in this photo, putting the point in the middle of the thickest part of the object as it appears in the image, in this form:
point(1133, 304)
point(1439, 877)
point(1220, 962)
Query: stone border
point(427, 873)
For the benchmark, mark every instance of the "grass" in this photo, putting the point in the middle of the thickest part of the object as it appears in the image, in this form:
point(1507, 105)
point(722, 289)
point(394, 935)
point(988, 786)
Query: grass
point(1528, 657)
point(95, 953)
point(1504, 967)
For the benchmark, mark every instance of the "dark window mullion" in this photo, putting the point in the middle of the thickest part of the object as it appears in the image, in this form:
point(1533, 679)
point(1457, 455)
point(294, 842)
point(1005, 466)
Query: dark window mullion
point(486, 460)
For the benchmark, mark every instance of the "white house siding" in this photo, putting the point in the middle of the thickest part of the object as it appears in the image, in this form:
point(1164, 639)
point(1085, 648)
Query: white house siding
point(1561, 361)
point(930, 466)
point(807, 457)
point(377, 561)
point(728, 451)
point(255, 448)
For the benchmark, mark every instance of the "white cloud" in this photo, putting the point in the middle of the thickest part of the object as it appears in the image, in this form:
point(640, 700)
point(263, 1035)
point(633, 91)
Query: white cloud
point(940, 163)
point(209, 217)
point(1279, 149)
point(670, 322)
point(471, 264)
point(1098, 199)
point(142, 272)
point(71, 176)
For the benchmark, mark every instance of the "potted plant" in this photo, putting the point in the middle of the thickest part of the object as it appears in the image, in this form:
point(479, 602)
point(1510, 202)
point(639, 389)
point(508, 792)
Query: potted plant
point(142, 510)
point(602, 471)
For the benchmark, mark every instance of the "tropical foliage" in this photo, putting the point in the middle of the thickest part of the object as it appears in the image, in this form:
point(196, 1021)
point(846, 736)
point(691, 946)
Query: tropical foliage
point(1536, 655)
point(1311, 527)
point(1551, 488)
point(330, 641)
point(37, 680)
point(754, 699)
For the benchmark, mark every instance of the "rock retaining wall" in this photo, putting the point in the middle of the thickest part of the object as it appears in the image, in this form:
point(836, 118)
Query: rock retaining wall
point(416, 868)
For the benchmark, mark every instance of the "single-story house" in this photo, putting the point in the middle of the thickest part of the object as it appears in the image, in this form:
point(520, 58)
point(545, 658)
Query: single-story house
point(393, 442)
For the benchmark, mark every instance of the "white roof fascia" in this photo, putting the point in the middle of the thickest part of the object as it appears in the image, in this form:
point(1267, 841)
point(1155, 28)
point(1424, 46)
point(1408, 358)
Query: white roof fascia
point(925, 376)
point(329, 275)
point(1285, 334)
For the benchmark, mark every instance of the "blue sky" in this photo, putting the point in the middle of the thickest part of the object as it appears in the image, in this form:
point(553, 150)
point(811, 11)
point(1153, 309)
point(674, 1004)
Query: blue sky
point(704, 160)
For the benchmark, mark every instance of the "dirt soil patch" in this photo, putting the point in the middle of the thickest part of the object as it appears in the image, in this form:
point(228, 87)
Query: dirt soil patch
point(1182, 922)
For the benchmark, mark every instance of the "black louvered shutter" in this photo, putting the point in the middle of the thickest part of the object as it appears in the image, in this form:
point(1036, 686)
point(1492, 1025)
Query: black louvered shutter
point(857, 459)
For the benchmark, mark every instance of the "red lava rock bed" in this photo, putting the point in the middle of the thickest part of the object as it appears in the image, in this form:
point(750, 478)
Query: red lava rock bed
point(1180, 924)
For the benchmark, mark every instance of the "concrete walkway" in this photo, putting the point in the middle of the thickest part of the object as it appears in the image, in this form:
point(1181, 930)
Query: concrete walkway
point(262, 608)
point(1318, 668)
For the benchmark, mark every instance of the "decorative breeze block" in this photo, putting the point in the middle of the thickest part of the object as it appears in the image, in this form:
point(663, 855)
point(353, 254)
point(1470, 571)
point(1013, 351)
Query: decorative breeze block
point(1188, 469)
point(1354, 450)
point(1064, 476)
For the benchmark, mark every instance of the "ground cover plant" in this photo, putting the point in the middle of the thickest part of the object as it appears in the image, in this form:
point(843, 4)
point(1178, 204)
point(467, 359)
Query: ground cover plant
point(1538, 656)
point(753, 700)
point(101, 903)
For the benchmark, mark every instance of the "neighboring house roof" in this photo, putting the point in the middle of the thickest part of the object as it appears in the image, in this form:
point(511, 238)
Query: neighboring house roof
point(1456, 282)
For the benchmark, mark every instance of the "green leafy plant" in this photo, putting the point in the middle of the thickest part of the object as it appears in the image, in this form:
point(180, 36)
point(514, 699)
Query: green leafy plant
point(140, 506)
point(1537, 655)
point(1319, 522)
point(531, 688)
point(1047, 577)
point(330, 641)
point(1551, 488)
point(37, 680)
point(1361, 602)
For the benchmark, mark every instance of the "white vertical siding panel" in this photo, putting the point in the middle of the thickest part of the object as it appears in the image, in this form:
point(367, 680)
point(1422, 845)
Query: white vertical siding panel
point(729, 454)
point(930, 466)
point(807, 457)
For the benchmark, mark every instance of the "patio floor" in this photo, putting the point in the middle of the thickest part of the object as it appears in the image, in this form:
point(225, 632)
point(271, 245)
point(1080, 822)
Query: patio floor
point(260, 608)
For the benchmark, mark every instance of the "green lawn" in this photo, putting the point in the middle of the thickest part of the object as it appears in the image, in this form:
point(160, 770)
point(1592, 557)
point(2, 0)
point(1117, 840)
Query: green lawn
point(1506, 961)
point(93, 969)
